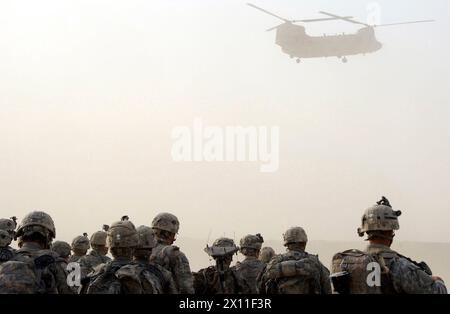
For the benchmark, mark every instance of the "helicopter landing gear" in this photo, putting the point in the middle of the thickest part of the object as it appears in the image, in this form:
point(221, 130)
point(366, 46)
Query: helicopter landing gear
point(298, 60)
point(344, 59)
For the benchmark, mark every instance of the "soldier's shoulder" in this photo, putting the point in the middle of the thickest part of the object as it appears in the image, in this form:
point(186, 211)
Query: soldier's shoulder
point(349, 252)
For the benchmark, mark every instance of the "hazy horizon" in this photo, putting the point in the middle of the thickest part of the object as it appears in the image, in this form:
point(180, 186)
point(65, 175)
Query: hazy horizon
point(90, 92)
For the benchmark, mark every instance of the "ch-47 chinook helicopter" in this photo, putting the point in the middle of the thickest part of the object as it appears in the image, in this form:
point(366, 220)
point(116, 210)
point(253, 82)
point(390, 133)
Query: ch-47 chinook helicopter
point(294, 41)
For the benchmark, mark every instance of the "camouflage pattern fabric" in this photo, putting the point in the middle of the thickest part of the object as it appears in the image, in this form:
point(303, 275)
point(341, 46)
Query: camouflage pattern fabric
point(104, 280)
point(294, 272)
point(35, 271)
point(75, 258)
point(90, 261)
point(153, 278)
point(399, 274)
point(406, 275)
point(6, 254)
point(172, 259)
point(249, 269)
point(209, 281)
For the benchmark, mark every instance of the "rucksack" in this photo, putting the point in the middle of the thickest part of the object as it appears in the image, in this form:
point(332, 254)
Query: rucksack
point(295, 274)
point(27, 275)
point(104, 281)
point(351, 270)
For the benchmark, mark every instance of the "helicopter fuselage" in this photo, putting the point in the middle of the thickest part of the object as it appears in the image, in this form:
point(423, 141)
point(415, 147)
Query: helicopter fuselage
point(294, 41)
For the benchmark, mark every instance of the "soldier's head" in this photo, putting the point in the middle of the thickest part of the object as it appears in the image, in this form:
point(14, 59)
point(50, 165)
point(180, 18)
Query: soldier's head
point(80, 244)
point(7, 231)
point(98, 241)
point(146, 243)
point(222, 251)
point(295, 238)
point(165, 226)
point(122, 239)
point(37, 227)
point(250, 245)
point(266, 254)
point(62, 248)
point(379, 223)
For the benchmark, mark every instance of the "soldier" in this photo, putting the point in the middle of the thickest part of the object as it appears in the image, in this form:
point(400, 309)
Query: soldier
point(121, 275)
point(80, 246)
point(379, 269)
point(7, 233)
point(160, 278)
point(108, 278)
point(169, 256)
point(220, 279)
point(296, 271)
point(34, 268)
point(251, 266)
point(63, 250)
point(98, 252)
point(266, 254)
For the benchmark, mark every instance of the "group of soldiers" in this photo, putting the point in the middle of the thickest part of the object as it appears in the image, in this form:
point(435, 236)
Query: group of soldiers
point(145, 261)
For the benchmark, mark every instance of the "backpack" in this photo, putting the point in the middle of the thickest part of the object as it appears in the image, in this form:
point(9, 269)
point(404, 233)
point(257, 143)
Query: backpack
point(351, 269)
point(104, 281)
point(294, 274)
point(27, 276)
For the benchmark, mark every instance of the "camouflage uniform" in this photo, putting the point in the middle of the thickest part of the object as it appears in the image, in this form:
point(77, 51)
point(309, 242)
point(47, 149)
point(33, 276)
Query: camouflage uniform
point(34, 269)
point(294, 272)
point(80, 245)
point(161, 279)
point(63, 250)
point(98, 252)
point(157, 279)
point(169, 256)
point(90, 261)
point(220, 279)
point(397, 273)
point(251, 266)
point(121, 275)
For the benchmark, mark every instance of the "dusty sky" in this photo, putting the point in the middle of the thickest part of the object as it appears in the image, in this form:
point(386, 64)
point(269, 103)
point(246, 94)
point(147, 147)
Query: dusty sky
point(91, 90)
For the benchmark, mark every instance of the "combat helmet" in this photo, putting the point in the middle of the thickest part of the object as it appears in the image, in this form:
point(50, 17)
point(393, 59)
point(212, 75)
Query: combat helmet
point(222, 247)
point(37, 222)
point(62, 248)
point(81, 243)
point(146, 238)
point(7, 233)
point(122, 234)
point(8, 225)
point(251, 241)
point(380, 217)
point(295, 235)
point(266, 254)
point(98, 238)
point(166, 222)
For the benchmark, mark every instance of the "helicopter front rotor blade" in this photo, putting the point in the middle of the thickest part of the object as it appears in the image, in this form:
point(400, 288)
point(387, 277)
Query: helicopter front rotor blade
point(272, 28)
point(344, 18)
point(402, 23)
point(321, 20)
point(267, 12)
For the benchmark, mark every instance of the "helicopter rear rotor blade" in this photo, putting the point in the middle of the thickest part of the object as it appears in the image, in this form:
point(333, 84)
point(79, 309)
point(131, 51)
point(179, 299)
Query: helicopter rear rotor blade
point(344, 18)
point(402, 23)
point(267, 12)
